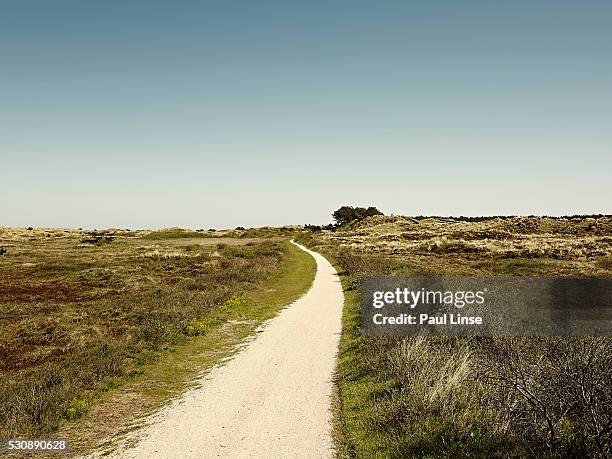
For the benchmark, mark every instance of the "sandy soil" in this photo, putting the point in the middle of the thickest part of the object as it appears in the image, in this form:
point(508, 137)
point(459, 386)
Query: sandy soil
point(272, 400)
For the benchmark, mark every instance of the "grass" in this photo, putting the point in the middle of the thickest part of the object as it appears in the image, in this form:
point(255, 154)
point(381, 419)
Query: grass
point(409, 398)
point(249, 233)
point(99, 335)
point(469, 397)
point(265, 232)
point(405, 398)
point(174, 373)
point(177, 234)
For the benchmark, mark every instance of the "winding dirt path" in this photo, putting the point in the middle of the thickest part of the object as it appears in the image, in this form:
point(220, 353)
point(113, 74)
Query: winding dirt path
point(272, 400)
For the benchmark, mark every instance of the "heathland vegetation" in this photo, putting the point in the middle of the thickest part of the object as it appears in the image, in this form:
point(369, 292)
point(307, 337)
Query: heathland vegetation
point(100, 327)
point(470, 397)
point(85, 316)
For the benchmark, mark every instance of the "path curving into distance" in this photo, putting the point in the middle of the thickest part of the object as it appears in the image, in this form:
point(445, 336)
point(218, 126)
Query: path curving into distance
point(272, 400)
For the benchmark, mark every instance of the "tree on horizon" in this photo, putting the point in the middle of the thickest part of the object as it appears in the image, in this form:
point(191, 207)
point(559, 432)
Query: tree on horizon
point(347, 214)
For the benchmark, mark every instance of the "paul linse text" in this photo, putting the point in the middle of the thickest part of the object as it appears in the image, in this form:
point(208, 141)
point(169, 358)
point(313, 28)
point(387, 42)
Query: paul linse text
point(426, 319)
point(413, 298)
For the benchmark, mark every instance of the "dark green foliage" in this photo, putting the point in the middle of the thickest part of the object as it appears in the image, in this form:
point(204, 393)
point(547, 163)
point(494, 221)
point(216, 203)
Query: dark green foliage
point(98, 238)
point(347, 214)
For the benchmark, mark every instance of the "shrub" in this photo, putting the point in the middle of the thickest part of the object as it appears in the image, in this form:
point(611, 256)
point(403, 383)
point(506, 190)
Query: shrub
point(558, 390)
point(347, 214)
point(76, 408)
point(195, 328)
point(313, 228)
point(354, 264)
point(98, 239)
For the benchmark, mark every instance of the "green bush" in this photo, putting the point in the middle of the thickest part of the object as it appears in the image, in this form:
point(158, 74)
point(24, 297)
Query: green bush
point(76, 408)
point(347, 214)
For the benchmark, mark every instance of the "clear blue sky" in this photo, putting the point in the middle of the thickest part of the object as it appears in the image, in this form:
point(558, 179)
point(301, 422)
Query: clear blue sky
point(197, 114)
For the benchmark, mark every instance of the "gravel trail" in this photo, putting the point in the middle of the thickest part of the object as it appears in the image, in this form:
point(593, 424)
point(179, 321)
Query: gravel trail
point(272, 400)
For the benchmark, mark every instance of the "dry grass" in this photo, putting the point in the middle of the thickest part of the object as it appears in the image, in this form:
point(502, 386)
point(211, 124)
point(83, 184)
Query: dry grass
point(575, 240)
point(79, 317)
point(460, 397)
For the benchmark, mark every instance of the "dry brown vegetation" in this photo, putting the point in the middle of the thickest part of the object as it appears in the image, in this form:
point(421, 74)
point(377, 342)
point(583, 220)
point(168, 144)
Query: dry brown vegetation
point(471, 397)
point(570, 245)
point(81, 311)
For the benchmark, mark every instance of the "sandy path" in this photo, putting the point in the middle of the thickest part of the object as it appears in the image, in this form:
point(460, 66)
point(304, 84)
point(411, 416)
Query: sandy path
point(272, 400)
